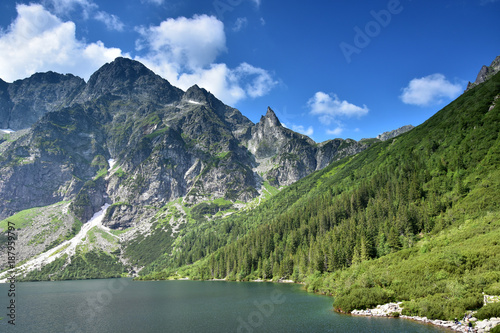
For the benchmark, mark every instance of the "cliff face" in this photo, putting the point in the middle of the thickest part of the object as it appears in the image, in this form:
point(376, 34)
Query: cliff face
point(486, 73)
point(23, 102)
point(283, 156)
point(50, 162)
point(394, 133)
point(165, 144)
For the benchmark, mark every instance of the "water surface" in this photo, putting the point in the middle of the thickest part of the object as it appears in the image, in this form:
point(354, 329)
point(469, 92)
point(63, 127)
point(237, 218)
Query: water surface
point(123, 305)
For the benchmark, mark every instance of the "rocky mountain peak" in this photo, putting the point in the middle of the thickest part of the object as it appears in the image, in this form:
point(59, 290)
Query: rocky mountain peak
point(394, 133)
point(270, 119)
point(51, 78)
point(485, 73)
point(195, 94)
point(25, 101)
point(126, 78)
point(121, 70)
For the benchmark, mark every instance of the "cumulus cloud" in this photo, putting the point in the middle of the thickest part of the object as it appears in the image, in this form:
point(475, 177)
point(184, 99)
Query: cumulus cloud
point(430, 90)
point(336, 131)
point(188, 42)
point(301, 129)
point(39, 41)
point(64, 7)
point(329, 108)
point(184, 51)
point(258, 81)
point(112, 22)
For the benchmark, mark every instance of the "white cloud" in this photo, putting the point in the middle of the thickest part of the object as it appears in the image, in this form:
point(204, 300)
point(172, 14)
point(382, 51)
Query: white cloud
point(112, 22)
point(64, 7)
point(337, 131)
point(329, 108)
point(258, 81)
point(430, 90)
point(300, 128)
point(241, 22)
point(155, 2)
point(88, 9)
point(188, 43)
point(39, 41)
point(184, 52)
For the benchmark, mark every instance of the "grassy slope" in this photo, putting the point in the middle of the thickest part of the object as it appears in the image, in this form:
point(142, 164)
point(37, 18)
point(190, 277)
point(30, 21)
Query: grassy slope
point(434, 190)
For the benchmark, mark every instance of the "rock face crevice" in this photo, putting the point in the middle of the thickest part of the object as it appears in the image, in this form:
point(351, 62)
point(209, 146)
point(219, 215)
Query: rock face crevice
point(167, 144)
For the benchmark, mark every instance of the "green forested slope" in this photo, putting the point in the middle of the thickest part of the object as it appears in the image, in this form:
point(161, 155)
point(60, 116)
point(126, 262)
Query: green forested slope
point(413, 218)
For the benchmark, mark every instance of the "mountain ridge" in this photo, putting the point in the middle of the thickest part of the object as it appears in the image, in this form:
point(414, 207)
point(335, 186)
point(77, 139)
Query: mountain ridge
point(165, 145)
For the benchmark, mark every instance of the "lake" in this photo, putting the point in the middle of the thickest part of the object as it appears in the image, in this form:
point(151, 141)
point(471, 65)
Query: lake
point(123, 305)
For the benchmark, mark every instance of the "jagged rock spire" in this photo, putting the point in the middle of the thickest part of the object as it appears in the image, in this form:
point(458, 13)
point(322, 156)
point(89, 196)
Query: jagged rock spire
point(270, 118)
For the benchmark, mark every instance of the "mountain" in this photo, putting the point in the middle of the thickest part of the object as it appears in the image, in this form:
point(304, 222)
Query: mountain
point(412, 219)
point(23, 102)
point(121, 181)
point(394, 133)
point(486, 73)
point(130, 140)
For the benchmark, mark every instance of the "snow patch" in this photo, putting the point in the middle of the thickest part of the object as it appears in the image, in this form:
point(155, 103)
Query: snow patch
point(111, 163)
point(194, 102)
point(67, 247)
point(7, 131)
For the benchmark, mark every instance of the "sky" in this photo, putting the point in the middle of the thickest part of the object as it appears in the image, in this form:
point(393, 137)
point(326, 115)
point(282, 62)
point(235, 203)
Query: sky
point(329, 69)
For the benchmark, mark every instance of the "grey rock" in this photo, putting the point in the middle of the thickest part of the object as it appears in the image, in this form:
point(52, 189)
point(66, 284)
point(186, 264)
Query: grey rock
point(485, 73)
point(168, 144)
point(394, 133)
point(24, 102)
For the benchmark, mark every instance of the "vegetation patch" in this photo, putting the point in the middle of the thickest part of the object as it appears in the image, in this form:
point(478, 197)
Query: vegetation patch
point(412, 219)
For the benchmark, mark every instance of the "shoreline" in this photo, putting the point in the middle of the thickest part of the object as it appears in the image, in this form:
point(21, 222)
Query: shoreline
point(393, 310)
point(388, 310)
point(257, 280)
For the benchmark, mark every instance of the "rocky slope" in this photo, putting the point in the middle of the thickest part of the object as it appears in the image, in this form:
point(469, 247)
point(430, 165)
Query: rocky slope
point(167, 143)
point(23, 102)
point(283, 156)
point(394, 133)
point(130, 139)
point(486, 73)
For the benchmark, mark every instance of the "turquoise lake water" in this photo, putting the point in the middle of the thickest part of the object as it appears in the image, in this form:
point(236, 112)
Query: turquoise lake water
point(123, 305)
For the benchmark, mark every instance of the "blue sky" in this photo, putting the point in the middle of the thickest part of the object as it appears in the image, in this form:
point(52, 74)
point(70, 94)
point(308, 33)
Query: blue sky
point(348, 69)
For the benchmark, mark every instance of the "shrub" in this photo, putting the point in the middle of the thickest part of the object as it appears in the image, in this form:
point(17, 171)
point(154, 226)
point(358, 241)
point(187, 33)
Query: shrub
point(495, 329)
point(494, 289)
point(442, 306)
point(488, 311)
point(362, 298)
